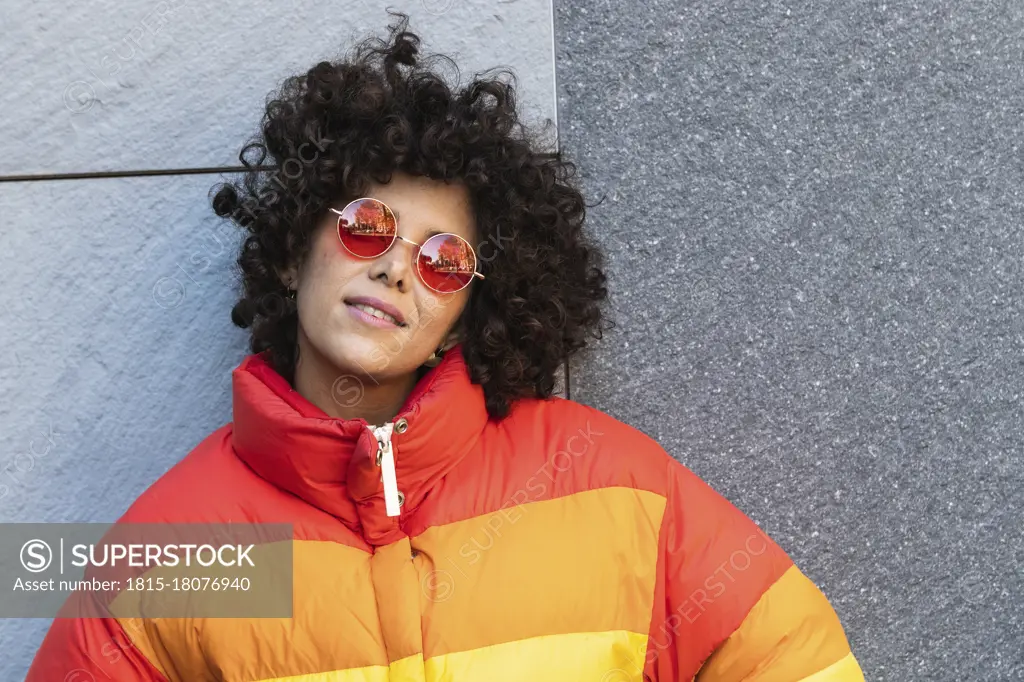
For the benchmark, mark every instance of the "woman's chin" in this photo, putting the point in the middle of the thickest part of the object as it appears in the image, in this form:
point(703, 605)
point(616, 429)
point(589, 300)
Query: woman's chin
point(363, 354)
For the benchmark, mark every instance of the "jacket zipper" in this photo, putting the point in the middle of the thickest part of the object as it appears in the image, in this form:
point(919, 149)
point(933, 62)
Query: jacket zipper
point(386, 461)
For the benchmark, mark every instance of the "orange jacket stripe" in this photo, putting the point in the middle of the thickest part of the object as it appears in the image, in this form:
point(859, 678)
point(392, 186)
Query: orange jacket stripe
point(512, 574)
point(408, 669)
point(485, 591)
point(599, 656)
point(394, 575)
point(376, 673)
point(334, 606)
point(793, 624)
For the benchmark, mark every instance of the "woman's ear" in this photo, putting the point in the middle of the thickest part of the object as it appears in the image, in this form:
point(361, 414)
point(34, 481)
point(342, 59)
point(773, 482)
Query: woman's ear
point(454, 336)
point(289, 277)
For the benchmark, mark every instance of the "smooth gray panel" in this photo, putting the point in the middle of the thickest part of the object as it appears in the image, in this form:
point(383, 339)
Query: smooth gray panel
point(118, 347)
point(116, 333)
point(813, 217)
point(181, 83)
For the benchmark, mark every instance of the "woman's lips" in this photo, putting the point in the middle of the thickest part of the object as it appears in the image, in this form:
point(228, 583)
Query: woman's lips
point(369, 319)
point(378, 306)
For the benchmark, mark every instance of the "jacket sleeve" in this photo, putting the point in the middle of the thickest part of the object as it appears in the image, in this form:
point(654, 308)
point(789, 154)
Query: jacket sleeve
point(731, 605)
point(86, 643)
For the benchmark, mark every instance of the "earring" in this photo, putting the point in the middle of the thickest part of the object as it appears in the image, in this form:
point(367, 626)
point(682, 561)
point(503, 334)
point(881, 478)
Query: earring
point(434, 360)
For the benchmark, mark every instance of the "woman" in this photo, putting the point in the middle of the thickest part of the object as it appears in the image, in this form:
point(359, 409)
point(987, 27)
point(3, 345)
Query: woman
point(413, 276)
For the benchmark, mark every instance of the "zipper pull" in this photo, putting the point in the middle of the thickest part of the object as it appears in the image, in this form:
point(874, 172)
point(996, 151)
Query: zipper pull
point(386, 461)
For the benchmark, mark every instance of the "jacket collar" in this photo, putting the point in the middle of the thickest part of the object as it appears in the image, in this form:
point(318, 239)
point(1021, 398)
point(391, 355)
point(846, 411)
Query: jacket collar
point(331, 462)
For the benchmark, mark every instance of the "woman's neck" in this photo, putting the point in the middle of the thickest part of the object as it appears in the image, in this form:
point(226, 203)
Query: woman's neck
point(346, 395)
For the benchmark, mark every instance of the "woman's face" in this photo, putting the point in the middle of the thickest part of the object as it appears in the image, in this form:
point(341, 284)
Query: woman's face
point(331, 279)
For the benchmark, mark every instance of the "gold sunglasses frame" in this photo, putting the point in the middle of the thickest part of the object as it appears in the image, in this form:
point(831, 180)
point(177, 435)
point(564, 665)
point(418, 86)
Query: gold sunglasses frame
point(418, 246)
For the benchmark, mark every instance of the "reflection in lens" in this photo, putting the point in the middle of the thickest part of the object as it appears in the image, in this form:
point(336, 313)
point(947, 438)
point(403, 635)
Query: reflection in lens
point(367, 227)
point(446, 263)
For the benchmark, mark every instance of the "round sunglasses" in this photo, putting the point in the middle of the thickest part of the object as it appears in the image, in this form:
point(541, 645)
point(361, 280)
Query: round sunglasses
point(367, 228)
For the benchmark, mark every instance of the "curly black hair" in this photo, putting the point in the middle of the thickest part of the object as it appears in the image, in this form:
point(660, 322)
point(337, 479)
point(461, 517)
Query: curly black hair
point(342, 124)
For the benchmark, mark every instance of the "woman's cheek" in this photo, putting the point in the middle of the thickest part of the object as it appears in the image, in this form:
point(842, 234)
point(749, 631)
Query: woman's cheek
point(431, 309)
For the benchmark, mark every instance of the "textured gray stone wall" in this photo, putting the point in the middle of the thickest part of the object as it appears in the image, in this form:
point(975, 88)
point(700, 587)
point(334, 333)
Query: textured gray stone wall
point(813, 216)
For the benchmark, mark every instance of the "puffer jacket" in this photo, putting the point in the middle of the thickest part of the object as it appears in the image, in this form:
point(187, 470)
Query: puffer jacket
point(557, 544)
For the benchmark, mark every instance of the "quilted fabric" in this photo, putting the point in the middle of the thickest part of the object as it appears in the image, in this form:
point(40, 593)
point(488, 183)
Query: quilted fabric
point(556, 544)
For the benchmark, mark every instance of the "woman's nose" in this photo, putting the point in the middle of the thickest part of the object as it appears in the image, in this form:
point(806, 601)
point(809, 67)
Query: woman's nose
point(395, 265)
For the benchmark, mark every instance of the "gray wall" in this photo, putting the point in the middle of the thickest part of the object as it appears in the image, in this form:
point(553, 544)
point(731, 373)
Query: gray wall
point(813, 212)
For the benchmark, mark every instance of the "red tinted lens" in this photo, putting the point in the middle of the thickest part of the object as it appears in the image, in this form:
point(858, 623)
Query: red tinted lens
point(446, 263)
point(367, 227)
